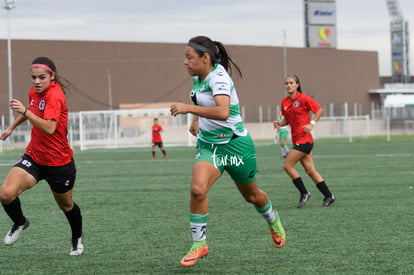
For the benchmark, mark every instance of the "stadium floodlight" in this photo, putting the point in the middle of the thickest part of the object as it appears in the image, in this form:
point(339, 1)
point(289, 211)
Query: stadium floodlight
point(9, 5)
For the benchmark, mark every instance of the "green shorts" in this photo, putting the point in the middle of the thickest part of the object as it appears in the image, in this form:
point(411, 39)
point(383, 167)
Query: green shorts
point(283, 134)
point(238, 157)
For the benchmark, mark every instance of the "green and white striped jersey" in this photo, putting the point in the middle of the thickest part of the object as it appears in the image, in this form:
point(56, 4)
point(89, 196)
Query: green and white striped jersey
point(217, 82)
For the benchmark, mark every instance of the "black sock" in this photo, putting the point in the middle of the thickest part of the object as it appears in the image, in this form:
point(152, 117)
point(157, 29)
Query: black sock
point(75, 220)
point(324, 189)
point(163, 151)
point(299, 185)
point(14, 211)
point(153, 154)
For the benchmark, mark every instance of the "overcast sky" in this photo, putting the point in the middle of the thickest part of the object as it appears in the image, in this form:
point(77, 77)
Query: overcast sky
point(361, 24)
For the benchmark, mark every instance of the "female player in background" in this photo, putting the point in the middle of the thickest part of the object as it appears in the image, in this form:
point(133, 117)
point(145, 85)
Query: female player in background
point(282, 135)
point(157, 139)
point(223, 142)
point(295, 110)
point(48, 155)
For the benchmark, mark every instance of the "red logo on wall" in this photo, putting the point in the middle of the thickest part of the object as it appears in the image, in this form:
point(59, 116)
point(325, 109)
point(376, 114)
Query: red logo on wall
point(324, 33)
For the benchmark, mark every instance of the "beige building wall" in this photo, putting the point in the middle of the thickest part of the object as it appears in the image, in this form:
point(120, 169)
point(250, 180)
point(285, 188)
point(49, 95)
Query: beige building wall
point(154, 72)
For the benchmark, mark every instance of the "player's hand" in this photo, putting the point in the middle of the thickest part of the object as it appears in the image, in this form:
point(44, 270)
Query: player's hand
point(5, 134)
point(179, 108)
point(194, 128)
point(276, 124)
point(308, 128)
point(17, 106)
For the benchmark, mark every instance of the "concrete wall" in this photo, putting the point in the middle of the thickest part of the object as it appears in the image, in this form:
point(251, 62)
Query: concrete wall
point(154, 72)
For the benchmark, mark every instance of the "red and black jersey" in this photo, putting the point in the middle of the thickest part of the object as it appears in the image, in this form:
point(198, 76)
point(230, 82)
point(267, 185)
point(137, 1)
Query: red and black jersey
point(156, 133)
point(51, 150)
point(296, 112)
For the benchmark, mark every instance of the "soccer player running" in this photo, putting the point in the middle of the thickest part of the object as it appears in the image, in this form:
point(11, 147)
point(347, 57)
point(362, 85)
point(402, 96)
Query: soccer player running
point(223, 143)
point(156, 138)
point(295, 109)
point(283, 133)
point(48, 155)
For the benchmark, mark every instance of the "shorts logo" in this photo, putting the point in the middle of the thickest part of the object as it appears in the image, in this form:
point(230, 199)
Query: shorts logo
point(67, 183)
point(198, 155)
point(227, 160)
point(42, 104)
point(251, 175)
point(296, 103)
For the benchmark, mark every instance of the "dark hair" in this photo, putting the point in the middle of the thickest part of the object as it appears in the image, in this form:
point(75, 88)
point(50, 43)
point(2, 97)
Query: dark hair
point(217, 52)
point(64, 84)
point(296, 78)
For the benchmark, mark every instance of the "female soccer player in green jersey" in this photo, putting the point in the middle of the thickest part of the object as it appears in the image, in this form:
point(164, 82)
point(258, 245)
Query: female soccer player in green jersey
point(223, 143)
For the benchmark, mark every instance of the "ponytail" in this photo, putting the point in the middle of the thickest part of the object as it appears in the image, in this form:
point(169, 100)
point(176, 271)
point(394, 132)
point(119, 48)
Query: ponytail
point(216, 50)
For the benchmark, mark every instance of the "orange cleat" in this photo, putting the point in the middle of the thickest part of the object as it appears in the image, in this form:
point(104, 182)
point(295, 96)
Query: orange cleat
point(197, 251)
point(278, 232)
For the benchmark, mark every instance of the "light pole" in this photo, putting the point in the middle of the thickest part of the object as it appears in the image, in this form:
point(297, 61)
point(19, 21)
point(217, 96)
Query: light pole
point(8, 5)
point(108, 72)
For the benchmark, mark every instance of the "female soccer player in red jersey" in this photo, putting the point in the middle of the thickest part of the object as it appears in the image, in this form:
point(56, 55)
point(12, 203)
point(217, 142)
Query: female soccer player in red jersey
point(295, 109)
point(157, 139)
point(48, 155)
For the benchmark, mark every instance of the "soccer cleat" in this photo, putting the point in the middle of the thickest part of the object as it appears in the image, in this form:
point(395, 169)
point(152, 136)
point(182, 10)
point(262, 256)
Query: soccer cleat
point(328, 201)
point(197, 251)
point(278, 232)
point(165, 156)
point(152, 157)
point(76, 248)
point(14, 233)
point(303, 199)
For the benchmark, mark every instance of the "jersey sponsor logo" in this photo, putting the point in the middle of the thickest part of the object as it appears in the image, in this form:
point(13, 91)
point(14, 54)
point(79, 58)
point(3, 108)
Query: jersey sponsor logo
point(296, 103)
point(226, 160)
point(42, 105)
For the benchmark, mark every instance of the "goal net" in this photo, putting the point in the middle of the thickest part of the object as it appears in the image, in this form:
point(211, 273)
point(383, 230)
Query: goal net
point(127, 128)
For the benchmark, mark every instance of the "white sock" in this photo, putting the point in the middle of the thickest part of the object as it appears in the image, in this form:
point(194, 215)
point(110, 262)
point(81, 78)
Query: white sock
point(198, 230)
point(269, 215)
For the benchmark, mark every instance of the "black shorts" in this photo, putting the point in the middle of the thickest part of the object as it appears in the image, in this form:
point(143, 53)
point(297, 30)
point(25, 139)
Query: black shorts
point(304, 148)
point(159, 144)
point(61, 179)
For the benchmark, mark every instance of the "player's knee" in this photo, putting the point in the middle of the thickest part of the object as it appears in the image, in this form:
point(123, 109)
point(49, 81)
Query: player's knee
point(287, 167)
point(197, 193)
point(250, 198)
point(310, 171)
point(66, 207)
point(6, 197)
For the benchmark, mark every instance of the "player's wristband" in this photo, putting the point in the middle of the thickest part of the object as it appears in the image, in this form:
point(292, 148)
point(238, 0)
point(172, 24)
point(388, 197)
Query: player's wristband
point(25, 112)
point(313, 122)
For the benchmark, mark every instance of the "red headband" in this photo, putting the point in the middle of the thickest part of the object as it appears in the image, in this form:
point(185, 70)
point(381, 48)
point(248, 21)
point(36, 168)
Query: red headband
point(42, 66)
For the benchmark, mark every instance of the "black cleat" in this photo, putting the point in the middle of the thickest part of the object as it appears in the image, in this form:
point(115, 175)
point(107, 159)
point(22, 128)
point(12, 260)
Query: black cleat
point(328, 201)
point(303, 199)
